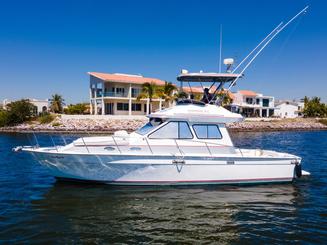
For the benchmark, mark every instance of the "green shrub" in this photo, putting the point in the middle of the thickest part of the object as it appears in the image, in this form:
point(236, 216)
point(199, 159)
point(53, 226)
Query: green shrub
point(46, 118)
point(20, 111)
point(75, 109)
point(56, 124)
point(4, 118)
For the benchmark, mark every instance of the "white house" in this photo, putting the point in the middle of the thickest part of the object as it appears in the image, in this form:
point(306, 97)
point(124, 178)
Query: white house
point(116, 94)
point(289, 109)
point(40, 105)
point(252, 104)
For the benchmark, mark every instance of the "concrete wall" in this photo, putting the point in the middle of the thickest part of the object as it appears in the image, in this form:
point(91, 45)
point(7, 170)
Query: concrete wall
point(77, 117)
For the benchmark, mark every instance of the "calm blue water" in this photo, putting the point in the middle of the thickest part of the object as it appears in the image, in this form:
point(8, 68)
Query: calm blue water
point(35, 208)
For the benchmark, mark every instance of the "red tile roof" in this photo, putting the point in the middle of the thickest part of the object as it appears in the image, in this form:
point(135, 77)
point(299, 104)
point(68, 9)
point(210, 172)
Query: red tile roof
point(247, 92)
point(126, 78)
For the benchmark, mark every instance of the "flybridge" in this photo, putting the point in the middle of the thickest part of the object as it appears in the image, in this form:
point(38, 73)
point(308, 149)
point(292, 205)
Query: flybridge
point(207, 77)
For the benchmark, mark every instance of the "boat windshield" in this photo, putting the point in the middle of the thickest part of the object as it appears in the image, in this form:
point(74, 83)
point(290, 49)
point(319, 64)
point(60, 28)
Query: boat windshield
point(152, 124)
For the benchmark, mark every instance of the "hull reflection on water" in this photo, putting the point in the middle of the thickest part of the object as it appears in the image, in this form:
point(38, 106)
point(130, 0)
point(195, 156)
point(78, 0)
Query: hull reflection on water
point(125, 214)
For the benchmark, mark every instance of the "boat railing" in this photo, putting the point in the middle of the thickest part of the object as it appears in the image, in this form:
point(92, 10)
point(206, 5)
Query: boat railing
point(126, 144)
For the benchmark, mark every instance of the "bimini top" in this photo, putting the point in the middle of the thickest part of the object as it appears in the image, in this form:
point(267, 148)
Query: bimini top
point(198, 113)
point(208, 77)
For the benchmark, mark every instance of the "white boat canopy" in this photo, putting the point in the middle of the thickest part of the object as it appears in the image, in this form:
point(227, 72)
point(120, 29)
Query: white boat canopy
point(208, 77)
point(198, 113)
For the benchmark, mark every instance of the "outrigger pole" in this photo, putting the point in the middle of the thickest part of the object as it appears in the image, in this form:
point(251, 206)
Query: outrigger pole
point(277, 31)
point(257, 47)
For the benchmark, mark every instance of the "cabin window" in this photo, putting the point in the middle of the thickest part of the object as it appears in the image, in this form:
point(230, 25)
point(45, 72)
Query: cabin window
point(152, 124)
point(207, 131)
point(173, 130)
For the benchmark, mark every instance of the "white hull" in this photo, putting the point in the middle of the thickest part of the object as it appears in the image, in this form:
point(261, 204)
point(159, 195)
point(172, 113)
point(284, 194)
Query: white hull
point(167, 170)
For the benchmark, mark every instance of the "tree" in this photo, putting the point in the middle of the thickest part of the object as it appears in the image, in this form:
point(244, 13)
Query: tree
point(166, 92)
point(57, 103)
point(4, 118)
point(224, 98)
point(314, 108)
point(20, 111)
point(180, 95)
point(149, 91)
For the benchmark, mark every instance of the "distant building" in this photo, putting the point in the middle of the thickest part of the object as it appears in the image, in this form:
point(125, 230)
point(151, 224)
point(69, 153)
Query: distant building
point(40, 105)
point(252, 104)
point(289, 109)
point(116, 94)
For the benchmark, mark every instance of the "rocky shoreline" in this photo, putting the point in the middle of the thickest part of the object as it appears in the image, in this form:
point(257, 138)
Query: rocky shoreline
point(109, 125)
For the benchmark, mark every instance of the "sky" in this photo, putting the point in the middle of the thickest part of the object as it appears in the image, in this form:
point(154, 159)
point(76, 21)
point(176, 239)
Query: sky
point(47, 47)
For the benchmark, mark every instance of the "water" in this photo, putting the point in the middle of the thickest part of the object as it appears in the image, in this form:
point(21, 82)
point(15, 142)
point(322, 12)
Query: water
point(35, 208)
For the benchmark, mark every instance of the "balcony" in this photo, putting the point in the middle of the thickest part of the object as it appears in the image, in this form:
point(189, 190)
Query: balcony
point(112, 94)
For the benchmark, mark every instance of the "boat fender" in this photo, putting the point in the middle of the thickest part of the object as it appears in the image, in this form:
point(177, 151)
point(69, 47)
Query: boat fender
point(298, 170)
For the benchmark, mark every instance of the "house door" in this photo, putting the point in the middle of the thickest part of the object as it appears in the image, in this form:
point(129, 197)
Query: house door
point(109, 108)
point(264, 113)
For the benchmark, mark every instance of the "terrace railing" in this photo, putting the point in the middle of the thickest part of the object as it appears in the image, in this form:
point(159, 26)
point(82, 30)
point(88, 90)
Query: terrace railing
point(112, 94)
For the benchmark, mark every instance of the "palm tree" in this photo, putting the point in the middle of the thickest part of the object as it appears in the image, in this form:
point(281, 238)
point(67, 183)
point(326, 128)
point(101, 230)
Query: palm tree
point(180, 95)
point(166, 92)
point(149, 91)
point(57, 103)
point(224, 98)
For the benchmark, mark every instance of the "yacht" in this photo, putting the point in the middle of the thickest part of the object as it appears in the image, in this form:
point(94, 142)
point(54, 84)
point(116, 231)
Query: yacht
point(185, 144)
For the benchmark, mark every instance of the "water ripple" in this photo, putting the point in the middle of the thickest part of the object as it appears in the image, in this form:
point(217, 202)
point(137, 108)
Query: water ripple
point(36, 208)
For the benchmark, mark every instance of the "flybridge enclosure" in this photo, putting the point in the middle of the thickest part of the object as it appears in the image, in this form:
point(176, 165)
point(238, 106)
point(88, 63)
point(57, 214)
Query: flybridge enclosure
point(208, 77)
point(214, 78)
point(197, 113)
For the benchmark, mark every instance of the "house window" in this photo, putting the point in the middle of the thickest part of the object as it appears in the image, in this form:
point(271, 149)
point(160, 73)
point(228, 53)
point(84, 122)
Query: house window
point(173, 130)
point(265, 102)
point(135, 92)
point(120, 91)
point(136, 107)
point(207, 131)
point(257, 101)
point(122, 106)
point(249, 100)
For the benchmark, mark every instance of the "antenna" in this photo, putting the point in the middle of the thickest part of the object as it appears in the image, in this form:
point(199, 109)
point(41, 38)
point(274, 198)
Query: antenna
point(270, 39)
point(220, 46)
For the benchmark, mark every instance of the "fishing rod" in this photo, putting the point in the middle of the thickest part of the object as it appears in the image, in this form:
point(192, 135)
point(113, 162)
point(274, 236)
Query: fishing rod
point(257, 47)
point(262, 48)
